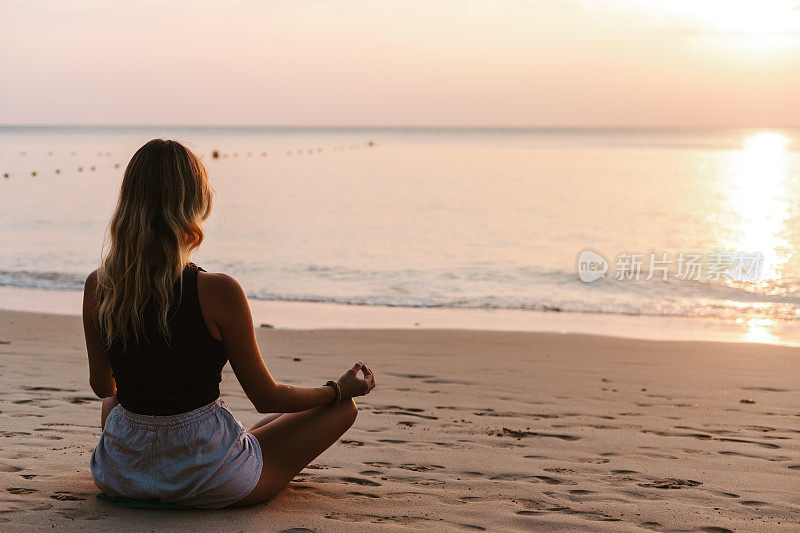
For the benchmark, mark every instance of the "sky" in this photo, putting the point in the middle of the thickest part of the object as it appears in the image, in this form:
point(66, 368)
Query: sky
point(398, 63)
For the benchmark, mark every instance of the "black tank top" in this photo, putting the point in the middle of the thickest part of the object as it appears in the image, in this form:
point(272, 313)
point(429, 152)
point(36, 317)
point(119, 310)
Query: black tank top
point(159, 379)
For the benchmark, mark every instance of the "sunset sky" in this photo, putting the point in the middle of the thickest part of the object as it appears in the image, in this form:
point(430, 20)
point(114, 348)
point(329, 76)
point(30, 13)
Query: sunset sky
point(431, 62)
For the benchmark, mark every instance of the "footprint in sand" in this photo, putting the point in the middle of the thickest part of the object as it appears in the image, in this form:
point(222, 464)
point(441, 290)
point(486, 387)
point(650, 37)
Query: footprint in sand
point(365, 494)
point(408, 412)
point(360, 481)
point(519, 434)
point(472, 527)
point(670, 483)
point(79, 400)
point(351, 443)
point(66, 496)
point(20, 490)
point(420, 468)
point(48, 389)
point(651, 525)
point(727, 494)
point(550, 480)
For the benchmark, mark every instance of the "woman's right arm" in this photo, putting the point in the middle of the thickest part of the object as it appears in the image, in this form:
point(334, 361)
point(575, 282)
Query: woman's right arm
point(231, 313)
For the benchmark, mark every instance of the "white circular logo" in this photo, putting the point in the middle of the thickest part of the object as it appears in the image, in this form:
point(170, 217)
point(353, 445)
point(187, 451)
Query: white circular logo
point(591, 266)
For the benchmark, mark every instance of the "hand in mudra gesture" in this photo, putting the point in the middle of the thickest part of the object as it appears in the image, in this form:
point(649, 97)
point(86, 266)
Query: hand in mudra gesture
point(353, 385)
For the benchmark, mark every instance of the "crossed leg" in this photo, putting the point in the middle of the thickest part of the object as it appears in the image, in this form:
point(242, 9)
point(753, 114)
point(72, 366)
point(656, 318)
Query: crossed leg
point(109, 403)
point(290, 441)
point(264, 421)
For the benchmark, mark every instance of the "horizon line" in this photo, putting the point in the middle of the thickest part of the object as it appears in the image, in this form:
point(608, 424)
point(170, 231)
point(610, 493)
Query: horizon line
point(406, 126)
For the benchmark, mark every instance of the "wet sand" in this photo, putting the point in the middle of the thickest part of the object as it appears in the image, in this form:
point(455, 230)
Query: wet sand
point(466, 430)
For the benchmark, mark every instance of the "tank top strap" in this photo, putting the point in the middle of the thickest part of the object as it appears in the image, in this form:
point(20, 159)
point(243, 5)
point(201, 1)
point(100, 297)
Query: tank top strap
point(191, 300)
point(189, 296)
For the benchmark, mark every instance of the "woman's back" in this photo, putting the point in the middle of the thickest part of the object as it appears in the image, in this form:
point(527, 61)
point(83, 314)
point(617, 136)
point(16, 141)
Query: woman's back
point(156, 357)
point(157, 378)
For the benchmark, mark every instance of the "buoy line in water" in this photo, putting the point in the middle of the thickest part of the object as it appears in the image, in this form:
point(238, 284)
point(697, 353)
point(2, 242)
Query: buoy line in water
point(215, 154)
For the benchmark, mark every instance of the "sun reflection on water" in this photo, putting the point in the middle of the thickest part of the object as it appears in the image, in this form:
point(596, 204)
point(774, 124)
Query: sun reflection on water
point(758, 330)
point(757, 199)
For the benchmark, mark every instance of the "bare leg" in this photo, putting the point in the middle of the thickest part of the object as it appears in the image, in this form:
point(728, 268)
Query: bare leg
point(108, 404)
point(289, 443)
point(264, 421)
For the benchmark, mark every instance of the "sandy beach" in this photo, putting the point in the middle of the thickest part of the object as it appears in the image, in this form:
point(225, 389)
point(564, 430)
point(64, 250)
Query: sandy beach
point(466, 430)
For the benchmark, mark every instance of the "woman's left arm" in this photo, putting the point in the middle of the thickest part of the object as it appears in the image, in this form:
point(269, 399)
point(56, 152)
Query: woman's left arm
point(100, 376)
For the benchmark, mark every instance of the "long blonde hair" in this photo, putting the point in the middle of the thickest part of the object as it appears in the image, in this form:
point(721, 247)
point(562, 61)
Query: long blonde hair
point(164, 198)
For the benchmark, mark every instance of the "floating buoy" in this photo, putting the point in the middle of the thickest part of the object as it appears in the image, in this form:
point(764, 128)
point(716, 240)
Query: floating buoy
point(215, 154)
point(80, 169)
point(5, 175)
point(58, 171)
point(91, 168)
point(33, 173)
point(263, 154)
point(116, 165)
point(371, 143)
point(319, 149)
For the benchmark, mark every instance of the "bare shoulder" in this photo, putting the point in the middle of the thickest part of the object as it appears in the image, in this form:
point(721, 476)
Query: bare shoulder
point(223, 303)
point(91, 302)
point(91, 279)
point(218, 285)
point(220, 295)
point(90, 287)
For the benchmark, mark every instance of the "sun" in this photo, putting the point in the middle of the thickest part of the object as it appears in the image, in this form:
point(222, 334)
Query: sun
point(744, 17)
point(754, 23)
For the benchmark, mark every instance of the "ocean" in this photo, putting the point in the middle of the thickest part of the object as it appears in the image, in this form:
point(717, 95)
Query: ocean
point(474, 218)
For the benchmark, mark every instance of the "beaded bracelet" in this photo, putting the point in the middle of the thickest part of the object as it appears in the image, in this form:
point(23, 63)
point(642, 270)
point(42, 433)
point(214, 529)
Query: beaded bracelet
point(338, 390)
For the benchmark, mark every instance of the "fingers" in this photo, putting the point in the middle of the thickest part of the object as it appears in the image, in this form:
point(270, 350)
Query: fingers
point(369, 377)
point(367, 383)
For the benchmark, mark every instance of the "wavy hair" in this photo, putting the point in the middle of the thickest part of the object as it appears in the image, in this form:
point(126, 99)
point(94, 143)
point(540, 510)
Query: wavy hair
point(163, 200)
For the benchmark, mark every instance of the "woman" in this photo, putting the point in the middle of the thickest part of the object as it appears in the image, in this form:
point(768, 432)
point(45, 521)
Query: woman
point(159, 330)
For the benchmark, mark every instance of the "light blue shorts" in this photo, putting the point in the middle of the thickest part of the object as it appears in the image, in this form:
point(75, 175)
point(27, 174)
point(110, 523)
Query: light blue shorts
point(201, 458)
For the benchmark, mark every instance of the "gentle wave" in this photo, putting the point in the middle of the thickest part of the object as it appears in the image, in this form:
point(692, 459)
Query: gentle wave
point(705, 300)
